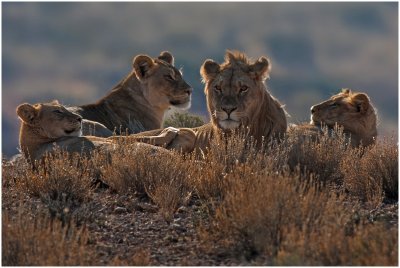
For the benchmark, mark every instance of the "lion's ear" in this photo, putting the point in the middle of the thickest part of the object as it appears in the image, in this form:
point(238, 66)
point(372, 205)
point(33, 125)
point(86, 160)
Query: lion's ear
point(167, 57)
point(209, 70)
point(260, 69)
point(361, 101)
point(346, 91)
point(27, 113)
point(142, 65)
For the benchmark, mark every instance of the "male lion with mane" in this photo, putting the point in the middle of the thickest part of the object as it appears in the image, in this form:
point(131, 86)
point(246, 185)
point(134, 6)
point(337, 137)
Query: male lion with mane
point(46, 125)
point(236, 97)
point(140, 101)
point(352, 111)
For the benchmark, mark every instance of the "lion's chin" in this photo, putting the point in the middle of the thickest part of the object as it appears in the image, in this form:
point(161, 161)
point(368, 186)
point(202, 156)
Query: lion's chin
point(229, 124)
point(315, 121)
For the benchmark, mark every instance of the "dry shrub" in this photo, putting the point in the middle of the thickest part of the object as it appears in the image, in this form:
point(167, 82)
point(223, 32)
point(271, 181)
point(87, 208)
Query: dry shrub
point(372, 175)
point(363, 245)
point(42, 242)
point(210, 172)
point(259, 208)
point(320, 154)
point(61, 181)
point(280, 220)
point(13, 170)
point(159, 174)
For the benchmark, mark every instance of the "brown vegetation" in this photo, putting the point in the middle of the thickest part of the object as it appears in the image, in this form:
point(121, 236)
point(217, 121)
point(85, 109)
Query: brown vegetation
point(298, 202)
point(41, 241)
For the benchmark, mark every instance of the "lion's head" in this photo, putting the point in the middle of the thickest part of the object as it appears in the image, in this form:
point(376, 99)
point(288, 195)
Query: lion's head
point(237, 96)
point(351, 110)
point(164, 85)
point(50, 120)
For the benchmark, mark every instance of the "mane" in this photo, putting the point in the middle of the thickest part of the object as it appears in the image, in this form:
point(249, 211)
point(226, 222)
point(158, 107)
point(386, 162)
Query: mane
point(234, 58)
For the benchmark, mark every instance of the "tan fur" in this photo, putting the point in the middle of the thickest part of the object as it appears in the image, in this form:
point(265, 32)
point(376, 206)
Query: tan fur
point(139, 102)
point(235, 87)
point(46, 125)
point(351, 110)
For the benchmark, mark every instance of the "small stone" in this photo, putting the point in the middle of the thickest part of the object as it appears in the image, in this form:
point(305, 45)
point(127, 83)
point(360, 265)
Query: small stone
point(181, 209)
point(120, 210)
point(178, 228)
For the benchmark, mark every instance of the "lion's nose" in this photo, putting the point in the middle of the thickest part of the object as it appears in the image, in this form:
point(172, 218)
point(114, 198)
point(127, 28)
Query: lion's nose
point(189, 91)
point(229, 110)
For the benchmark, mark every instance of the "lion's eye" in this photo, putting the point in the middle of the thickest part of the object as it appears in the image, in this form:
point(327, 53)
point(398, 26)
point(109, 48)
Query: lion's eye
point(244, 89)
point(333, 105)
point(218, 88)
point(57, 112)
point(169, 77)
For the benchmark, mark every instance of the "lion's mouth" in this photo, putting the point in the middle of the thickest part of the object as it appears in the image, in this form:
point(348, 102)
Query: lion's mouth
point(69, 131)
point(73, 131)
point(176, 102)
point(183, 103)
point(229, 123)
point(321, 124)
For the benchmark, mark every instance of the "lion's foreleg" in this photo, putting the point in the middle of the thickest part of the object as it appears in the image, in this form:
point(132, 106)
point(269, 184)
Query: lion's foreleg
point(184, 141)
point(157, 137)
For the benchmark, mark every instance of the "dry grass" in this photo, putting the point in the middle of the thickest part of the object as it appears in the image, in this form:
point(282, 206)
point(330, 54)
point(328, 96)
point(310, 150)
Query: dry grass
point(372, 175)
point(273, 213)
point(277, 219)
point(297, 202)
point(161, 176)
point(319, 155)
point(61, 182)
point(42, 242)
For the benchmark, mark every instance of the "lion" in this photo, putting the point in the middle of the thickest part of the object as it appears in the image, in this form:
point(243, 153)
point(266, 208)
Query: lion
point(236, 98)
point(47, 125)
point(349, 110)
point(140, 101)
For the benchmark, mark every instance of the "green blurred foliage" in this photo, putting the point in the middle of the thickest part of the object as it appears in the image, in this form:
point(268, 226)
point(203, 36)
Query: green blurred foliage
point(185, 119)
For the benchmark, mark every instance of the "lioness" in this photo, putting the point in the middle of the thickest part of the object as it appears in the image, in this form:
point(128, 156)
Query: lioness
point(236, 97)
point(45, 125)
point(139, 102)
point(352, 111)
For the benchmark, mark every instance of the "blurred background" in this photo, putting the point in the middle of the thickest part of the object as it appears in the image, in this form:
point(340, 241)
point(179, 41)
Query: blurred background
point(76, 52)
